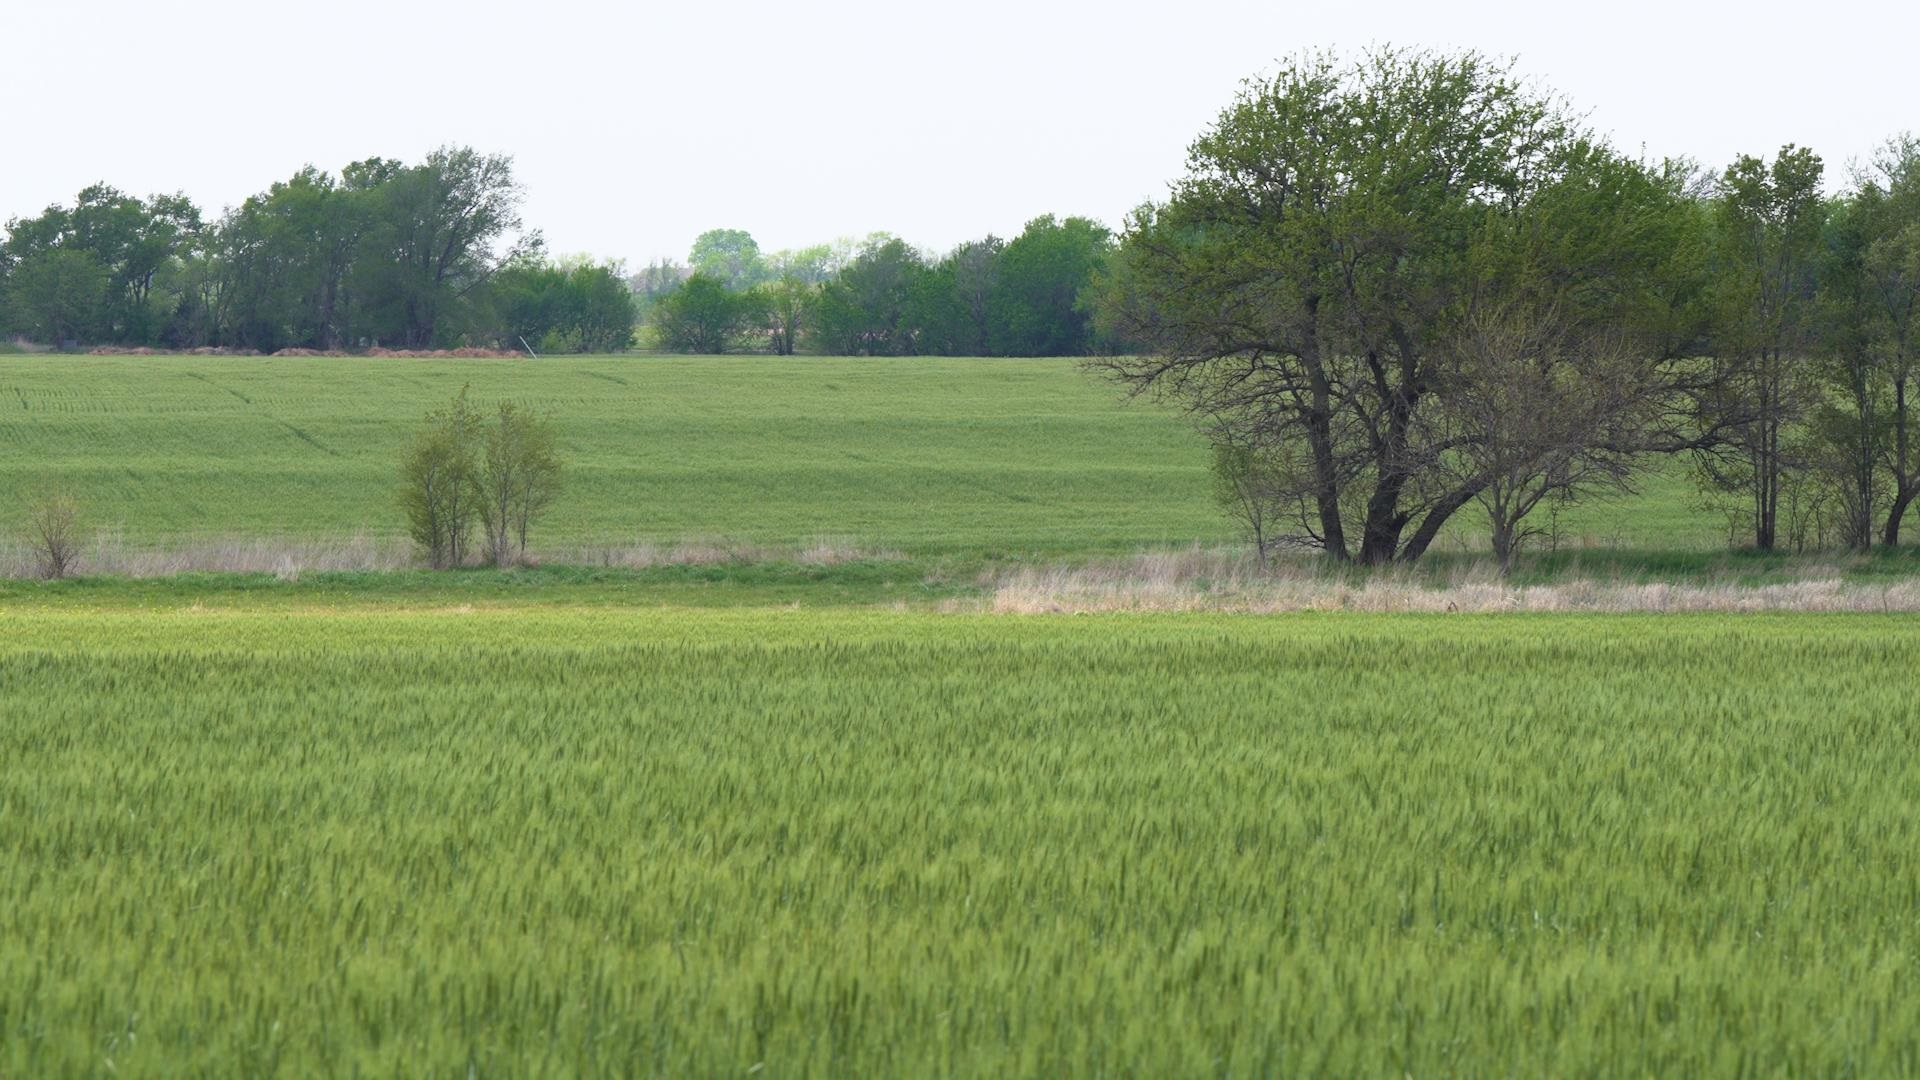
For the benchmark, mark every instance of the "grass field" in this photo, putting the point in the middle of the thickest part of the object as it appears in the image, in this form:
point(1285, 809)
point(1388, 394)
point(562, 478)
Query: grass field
point(829, 810)
point(515, 841)
point(924, 456)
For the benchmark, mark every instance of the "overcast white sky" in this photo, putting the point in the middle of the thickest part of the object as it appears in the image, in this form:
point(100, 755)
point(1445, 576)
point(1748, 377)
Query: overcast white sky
point(636, 126)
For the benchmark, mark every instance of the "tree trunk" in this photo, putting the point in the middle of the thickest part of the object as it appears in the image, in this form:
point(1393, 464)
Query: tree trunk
point(1902, 501)
point(1503, 545)
point(1319, 425)
point(1381, 540)
point(1326, 485)
point(1430, 526)
point(1904, 487)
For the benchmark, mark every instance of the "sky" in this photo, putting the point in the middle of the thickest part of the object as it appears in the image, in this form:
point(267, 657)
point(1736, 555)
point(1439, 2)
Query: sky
point(636, 126)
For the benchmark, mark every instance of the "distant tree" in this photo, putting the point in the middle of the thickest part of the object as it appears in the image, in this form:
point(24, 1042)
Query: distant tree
point(1034, 300)
point(1542, 410)
point(785, 305)
point(653, 281)
point(583, 309)
point(1846, 422)
point(1254, 484)
point(531, 300)
point(56, 295)
point(137, 244)
point(809, 265)
point(730, 255)
point(287, 258)
point(440, 489)
point(934, 318)
point(785, 301)
point(441, 230)
point(864, 311)
point(701, 316)
point(1769, 221)
point(976, 277)
point(519, 476)
point(603, 311)
point(1886, 207)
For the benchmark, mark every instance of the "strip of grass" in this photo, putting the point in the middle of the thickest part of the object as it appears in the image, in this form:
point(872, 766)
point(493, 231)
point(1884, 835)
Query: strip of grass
point(885, 582)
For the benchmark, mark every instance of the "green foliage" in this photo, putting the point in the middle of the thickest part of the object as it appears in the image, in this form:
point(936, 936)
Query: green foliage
point(518, 477)
point(786, 306)
point(440, 483)
point(1037, 281)
point(731, 256)
point(1309, 281)
point(56, 295)
point(579, 309)
point(385, 252)
point(434, 242)
point(685, 843)
point(1250, 483)
point(866, 310)
point(121, 292)
point(461, 470)
point(1768, 223)
point(701, 316)
point(286, 265)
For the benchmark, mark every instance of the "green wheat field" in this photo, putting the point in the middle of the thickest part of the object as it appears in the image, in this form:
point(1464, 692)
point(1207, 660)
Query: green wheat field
point(516, 842)
point(922, 456)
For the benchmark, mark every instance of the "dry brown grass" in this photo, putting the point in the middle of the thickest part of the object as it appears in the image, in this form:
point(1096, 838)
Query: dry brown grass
point(1202, 580)
point(643, 554)
point(111, 554)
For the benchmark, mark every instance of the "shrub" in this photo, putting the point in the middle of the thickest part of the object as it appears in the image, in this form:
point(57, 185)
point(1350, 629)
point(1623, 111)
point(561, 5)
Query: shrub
point(53, 533)
point(519, 477)
point(439, 483)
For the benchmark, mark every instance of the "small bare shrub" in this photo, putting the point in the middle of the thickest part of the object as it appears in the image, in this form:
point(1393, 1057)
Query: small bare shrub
point(53, 535)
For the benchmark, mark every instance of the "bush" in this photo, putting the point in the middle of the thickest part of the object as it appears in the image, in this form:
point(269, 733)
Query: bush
point(461, 470)
point(52, 533)
point(519, 477)
point(439, 483)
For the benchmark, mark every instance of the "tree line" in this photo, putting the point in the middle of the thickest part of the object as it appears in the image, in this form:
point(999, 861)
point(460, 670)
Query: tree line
point(882, 297)
point(1389, 289)
point(1393, 288)
point(429, 255)
point(436, 255)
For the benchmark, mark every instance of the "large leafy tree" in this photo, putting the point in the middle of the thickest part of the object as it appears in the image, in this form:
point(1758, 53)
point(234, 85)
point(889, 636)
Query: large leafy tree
point(1038, 277)
point(56, 295)
point(1886, 206)
point(290, 253)
point(1769, 219)
point(136, 243)
point(702, 316)
point(440, 231)
point(731, 255)
point(976, 277)
point(868, 309)
point(579, 308)
point(1307, 285)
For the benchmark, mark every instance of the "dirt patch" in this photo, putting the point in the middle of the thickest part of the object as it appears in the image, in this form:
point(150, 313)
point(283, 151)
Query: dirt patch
point(444, 354)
